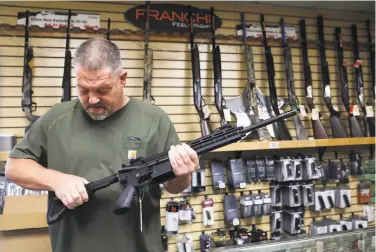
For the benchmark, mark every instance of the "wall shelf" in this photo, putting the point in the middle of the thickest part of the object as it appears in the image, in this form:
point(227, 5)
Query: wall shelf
point(296, 144)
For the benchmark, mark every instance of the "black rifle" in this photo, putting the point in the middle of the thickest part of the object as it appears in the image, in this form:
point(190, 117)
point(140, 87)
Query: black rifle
point(148, 60)
point(283, 132)
point(196, 76)
point(368, 122)
point(156, 169)
point(108, 28)
point(217, 70)
point(301, 133)
point(317, 126)
point(67, 66)
point(338, 130)
point(28, 106)
point(371, 49)
point(355, 128)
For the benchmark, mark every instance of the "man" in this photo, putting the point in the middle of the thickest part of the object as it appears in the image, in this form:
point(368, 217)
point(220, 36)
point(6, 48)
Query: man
point(90, 138)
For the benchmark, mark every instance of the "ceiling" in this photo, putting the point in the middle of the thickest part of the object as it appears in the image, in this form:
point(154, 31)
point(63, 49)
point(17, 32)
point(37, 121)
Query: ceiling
point(357, 6)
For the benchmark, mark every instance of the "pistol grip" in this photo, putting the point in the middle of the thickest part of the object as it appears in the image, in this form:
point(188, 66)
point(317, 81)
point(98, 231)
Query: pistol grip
point(125, 201)
point(56, 209)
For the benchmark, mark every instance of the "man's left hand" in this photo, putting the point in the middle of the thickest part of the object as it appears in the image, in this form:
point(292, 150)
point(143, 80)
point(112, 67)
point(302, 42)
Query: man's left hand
point(183, 159)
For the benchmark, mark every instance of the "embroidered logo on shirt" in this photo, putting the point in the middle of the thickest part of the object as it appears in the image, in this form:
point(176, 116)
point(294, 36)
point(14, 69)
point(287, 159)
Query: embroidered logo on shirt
point(132, 154)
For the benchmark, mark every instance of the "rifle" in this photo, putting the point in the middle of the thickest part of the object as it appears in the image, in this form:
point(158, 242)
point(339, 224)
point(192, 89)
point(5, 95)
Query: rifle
point(148, 60)
point(108, 28)
point(368, 122)
point(282, 133)
point(301, 133)
point(198, 100)
point(371, 49)
point(217, 70)
point(67, 66)
point(355, 129)
point(338, 130)
point(317, 126)
point(27, 104)
point(156, 169)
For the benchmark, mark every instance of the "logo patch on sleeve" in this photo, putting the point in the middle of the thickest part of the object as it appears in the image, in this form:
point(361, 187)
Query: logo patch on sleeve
point(132, 154)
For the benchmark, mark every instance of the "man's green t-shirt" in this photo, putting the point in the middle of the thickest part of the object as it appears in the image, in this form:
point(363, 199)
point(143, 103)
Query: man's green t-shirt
point(68, 140)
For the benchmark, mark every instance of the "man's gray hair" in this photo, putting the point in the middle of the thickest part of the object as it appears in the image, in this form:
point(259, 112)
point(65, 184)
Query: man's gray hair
point(98, 53)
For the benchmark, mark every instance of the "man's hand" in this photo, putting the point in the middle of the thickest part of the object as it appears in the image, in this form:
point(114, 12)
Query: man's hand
point(70, 189)
point(183, 159)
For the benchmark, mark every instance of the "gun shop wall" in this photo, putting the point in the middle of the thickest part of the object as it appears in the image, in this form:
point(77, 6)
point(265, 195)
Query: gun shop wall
point(172, 90)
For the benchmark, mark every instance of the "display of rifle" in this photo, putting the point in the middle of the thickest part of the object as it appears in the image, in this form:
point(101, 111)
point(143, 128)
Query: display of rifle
point(196, 76)
point(282, 133)
point(368, 122)
point(318, 129)
point(156, 169)
point(27, 104)
point(355, 128)
point(338, 131)
point(301, 133)
point(108, 28)
point(67, 66)
point(148, 60)
point(371, 50)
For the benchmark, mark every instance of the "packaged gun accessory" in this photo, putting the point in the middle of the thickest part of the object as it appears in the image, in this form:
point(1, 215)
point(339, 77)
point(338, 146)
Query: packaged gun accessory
point(334, 226)
point(251, 167)
point(293, 221)
point(205, 243)
point(208, 211)
point(346, 224)
point(369, 212)
point(310, 169)
point(330, 198)
point(236, 176)
point(266, 203)
point(307, 194)
point(318, 227)
point(217, 174)
point(172, 218)
point(185, 244)
point(270, 173)
point(240, 235)
point(364, 192)
point(261, 173)
point(257, 204)
point(297, 168)
point(319, 203)
point(186, 214)
point(355, 163)
point(258, 235)
point(291, 195)
point(231, 210)
point(221, 238)
point(276, 193)
point(359, 222)
point(246, 206)
point(276, 224)
point(284, 170)
point(342, 197)
point(198, 181)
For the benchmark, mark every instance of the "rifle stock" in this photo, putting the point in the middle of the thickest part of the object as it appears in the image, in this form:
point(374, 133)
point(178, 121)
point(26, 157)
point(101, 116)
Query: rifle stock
point(338, 131)
point(27, 104)
point(67, 66)
point(317, 126)
point(355, 129)
point(283, 132)
point(371, 50)
point(155, 169)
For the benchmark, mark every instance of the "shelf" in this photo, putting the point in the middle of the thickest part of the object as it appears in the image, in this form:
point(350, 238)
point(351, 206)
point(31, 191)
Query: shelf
point(22, 221)
point(296, 144)
point(4, 155)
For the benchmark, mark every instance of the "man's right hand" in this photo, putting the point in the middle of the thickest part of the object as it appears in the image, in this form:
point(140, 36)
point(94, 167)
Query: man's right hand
point(70, 189)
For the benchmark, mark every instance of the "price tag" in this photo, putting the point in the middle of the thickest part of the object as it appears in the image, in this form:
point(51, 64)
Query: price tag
point(235, 222)
point(242, 120)
point(260, 112)
point(243, 185)
point(369, 111)
point(315, 115)
point(309, 91)
point(227, 115)
point(273, 145)
point(327, 91)
point(357, 63)
point(206, 111)
point(303, 112)
point(221, 185)
point(355, 110)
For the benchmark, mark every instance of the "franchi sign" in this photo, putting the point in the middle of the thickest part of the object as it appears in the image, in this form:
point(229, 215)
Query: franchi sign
point(171, 18)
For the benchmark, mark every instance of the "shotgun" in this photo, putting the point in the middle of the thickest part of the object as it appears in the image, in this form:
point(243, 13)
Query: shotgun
point(27, 104)
point(283, 132)
point(355, 128)
point(67, 65)
point(368, 122)
point(108, 28)
point(198, 100)
point(155, 169)
point(301, 133)
point(371, 50)
point(148, 60)
point(338, 131)
point(317, 126)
